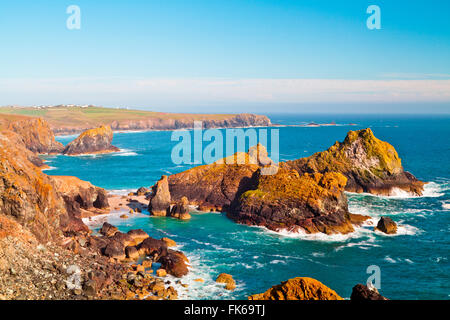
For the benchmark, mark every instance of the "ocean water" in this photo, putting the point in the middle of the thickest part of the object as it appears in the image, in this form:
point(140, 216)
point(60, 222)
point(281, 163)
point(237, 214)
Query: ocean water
point(414, 264)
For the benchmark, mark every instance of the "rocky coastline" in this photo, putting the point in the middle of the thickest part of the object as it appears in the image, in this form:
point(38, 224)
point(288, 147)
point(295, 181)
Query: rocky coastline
point(48, 252)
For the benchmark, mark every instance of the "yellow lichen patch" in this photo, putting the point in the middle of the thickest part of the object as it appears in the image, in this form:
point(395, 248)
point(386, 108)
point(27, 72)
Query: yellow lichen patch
point(288, 185)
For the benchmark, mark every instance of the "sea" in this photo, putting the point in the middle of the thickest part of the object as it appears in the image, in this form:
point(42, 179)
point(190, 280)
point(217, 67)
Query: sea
point(413, 264)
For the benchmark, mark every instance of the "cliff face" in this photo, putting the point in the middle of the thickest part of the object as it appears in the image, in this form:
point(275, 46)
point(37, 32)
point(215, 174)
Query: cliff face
point(80, 198)
point(92, 141)
point(370, 165)
point(168, 123)
point(298, 289)
point(26, 194)
point(34, 132)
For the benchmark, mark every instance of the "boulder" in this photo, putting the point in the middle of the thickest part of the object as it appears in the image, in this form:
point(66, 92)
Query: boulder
point(175, 263)
point(160, 202)
point(386, 225)
point(298, 289)
point(115, 250)
point(132, 253)
point(169, 242)
point(161, 273)
point(138, 235)
point(361, 292)
point(181, 209)
point(228, 280)
point(91, 142)
point(142, 191)
point(108, 230)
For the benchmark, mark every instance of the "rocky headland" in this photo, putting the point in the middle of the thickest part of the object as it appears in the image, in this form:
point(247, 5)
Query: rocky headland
point(306, 195)
point(92, 141)
point(35, 133)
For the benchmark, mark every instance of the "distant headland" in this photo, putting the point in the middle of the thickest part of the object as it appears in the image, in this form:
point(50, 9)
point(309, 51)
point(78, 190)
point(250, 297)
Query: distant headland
point(74, 119)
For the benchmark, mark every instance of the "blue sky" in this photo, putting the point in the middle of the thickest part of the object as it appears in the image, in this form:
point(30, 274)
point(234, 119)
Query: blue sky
point(189, 55)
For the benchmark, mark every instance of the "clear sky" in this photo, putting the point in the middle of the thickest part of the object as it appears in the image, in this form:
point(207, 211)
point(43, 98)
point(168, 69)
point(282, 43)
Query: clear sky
point(228, 55)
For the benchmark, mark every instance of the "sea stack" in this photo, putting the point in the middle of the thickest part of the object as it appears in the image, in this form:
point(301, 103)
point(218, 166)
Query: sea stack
point(93, 141)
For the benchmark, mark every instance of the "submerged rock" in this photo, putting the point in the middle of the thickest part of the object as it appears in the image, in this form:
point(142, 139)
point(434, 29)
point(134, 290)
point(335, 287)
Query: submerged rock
point(361, 292)
point(386, 225)
point(298, 289)
point(92, 141)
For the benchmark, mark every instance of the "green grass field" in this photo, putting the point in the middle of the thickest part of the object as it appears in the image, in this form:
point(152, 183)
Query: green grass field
point(97, 115)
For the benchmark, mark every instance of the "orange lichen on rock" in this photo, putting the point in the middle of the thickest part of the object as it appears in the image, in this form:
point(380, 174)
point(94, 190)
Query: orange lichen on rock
point(370, 165)
point(34, 132)
point(298, 289)
point(92, 141)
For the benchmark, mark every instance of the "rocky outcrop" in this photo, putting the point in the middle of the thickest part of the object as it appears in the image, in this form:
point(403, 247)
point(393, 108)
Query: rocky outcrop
point(160, 202)
point(361, 292)
point(370, 165)
point(214, 186)
point(287, 201)
point(27, 194)
point(34, 132)
point(386, 225)
point(302, 195)
point(298, 289)
point(230, 284)
point(92, 141)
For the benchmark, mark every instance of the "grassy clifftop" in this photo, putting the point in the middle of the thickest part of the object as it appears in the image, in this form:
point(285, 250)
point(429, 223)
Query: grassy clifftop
point(82, 118)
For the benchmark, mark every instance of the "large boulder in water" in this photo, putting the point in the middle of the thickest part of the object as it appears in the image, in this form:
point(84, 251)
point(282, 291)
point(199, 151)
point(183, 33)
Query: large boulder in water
point(386, 225)
point(298, 289)
point(361, 292)
point(91, 142)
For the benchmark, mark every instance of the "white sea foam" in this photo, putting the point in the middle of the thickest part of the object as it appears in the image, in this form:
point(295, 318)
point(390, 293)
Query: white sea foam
point(124, 153)
point(430, 190)
point(398, 260)
point(446, 205)
point(49, 169)
point(121, 192)
point(202, 268)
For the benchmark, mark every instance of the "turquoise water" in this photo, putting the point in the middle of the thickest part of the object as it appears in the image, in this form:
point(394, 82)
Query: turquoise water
point(414, 264)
